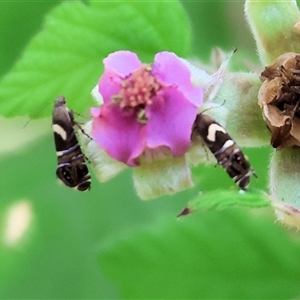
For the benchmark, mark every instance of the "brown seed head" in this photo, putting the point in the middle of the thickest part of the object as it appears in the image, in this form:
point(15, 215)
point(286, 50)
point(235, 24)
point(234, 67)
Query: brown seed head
point(279, 98)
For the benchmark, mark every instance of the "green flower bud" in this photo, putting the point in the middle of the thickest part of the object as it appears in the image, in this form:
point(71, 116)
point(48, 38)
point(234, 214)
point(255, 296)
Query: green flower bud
point(275, 27)
point(285, 187)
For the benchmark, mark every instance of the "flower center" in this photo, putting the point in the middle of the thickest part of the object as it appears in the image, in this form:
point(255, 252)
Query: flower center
point(137, 91)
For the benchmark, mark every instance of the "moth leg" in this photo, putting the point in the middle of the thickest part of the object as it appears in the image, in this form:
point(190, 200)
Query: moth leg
point(78, 125)
point(87, 159)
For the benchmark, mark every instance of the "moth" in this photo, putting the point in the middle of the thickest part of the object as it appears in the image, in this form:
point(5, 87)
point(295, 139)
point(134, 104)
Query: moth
point(72, 169)
point(225, 150)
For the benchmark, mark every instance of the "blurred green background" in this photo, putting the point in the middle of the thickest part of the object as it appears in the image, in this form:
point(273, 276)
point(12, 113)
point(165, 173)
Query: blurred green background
point(82, 245)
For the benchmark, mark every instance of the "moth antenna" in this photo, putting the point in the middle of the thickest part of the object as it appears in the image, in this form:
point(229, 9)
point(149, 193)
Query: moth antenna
point(206, 153)
point(209, 108)
point(35, 114)
point(26, 123)
point(77, 114)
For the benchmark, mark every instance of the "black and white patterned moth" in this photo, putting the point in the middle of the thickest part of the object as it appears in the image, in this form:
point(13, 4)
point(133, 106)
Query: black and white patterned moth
point(71, 169)
point(224, 148)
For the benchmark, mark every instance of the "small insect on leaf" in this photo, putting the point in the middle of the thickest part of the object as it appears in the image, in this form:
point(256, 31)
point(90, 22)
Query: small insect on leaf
point(225, 150)
point(72, 169)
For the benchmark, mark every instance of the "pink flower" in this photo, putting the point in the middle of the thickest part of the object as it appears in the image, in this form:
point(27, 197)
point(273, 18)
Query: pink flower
point(145, 107)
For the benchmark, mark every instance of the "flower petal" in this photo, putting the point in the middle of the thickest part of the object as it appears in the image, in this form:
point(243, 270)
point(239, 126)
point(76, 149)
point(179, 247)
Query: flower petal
point(173, 72)
point(104, 166)
point(118, 133)
point(122, 63)
point(170, 121)
point(117, 65)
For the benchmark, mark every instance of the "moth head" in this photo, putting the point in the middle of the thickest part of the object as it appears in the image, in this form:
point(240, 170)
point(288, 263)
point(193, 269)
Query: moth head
point(60, 101)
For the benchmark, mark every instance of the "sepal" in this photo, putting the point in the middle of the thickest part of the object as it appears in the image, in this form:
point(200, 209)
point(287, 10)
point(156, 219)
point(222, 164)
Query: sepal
point(162, 176)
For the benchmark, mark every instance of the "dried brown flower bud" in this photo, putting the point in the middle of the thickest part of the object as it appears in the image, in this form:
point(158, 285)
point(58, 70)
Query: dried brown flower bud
point(279, 98)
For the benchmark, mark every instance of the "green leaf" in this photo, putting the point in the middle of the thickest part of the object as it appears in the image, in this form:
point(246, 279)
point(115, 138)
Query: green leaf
point(56, 257)
point(216, 255)
point(66, 56)
point(220, 199)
